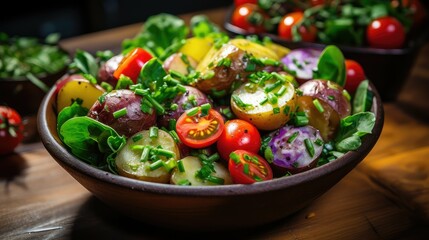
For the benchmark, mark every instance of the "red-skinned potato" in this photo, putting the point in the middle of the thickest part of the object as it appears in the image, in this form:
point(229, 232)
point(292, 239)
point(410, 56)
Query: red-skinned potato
point(328, 92)
point(132, 122)
point(184, 102)
point(105, 73)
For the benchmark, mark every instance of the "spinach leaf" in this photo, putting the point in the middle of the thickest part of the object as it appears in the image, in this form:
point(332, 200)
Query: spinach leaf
point(363, 98)
point(331, 65)
point(74, 110)
point(201, 26)
point(152, 75)
point(84, 62)
point(352, 129)
point(92, 141)
point(162, 35)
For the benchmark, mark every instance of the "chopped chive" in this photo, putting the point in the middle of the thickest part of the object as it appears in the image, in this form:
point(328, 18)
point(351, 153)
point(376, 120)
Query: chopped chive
point(163, 152)
point(319, 142)
point(209, 74)
point(250, 67)
point(246, 168)
point(346, 95)
point(331, 97)
point(153, 132)
point(172, 124)
point(174, 135)
point(155, 165)
point(281, 91)
point(293, 137)
point(299, 92)
point(257, 178)
point(141, 92)
point(184, 182)
point(137, 137)
point(265, 100)
point(309, 146)
point(158, 107)
point(234, 157)
point(272, 98)
point(214, 157)
point(106, 86)
point(180, 166)
point(216, 93)
point(286, 110)
point(176, 74)
point(193, 111)
point(276, 110)
point(318, 105)
point(145, 154)
point(269, 62)
point(170, 164)
point(174, 107)
point(205, 109)
point(215, 180)
point(273, 86)
point(120, 113)
point(240, 102)
point(136, 147)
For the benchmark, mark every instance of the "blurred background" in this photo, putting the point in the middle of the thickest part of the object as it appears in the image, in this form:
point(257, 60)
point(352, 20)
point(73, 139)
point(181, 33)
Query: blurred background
point(72, 18)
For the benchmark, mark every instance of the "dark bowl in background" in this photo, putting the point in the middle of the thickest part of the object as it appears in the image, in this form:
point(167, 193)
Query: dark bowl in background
point(199, 208)
point(388, 69)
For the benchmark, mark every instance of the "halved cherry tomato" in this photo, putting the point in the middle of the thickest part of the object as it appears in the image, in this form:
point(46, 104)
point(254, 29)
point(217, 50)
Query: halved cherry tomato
point(308, 34)
point(354, 75)
point(246, 167)
point(132, 64)
point(238, 134)
point(385, 32)
point(11, 129)
point(249, 17)
point(198, 131)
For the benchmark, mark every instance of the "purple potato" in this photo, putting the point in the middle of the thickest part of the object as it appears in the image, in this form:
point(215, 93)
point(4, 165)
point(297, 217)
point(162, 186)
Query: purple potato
point(184, 102)
point(132, 122)
point(303, 61)
point(328, 92)
point(105, 74)
point(294, 156)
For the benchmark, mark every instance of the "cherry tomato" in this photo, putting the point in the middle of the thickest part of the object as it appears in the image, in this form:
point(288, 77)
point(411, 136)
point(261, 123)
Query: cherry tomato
point(385, 32)
point(355, 75)
point(289, 21)
point(132, 63)
point(198, 131)
point(241, 2)
point(238, 134)
point(11, 129)
point(247, 167)
point(249, 17)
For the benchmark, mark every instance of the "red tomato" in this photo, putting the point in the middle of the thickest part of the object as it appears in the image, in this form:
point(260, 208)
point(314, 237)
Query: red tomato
point(246, 167)
point(238, 134)
point(11, 129)
point(355, 75)
point(199, 131)
point(385, 32)
point(249, 17)
point(289, 21)
point(132, 64)
point(241, 2)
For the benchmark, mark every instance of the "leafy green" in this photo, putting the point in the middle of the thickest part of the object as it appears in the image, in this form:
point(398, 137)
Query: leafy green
point(20, 56)
point(331, 65)
point(162, 35)
point(201, 26)
point(74, 110)
point(362, 101)
point(352, 129)
point(85, 63)
point(92, 141)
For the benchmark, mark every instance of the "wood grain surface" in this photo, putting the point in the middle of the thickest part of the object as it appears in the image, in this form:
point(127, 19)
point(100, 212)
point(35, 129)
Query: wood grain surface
point(385, 197)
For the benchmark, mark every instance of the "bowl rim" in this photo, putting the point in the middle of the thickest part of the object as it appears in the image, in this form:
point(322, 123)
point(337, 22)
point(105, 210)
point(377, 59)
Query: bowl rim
point(63, 156)
point(412, 44)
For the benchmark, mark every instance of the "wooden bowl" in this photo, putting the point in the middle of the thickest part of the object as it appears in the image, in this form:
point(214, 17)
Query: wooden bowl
point(197, 208)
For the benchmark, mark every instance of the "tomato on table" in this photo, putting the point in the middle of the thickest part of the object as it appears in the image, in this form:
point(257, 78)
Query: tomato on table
point(249, 17)
point(385, 32)
point(11, 129)
point(132, 64)
point(354, 75)
point(199, 130)
point(246, 167)
point(238, 134)
point(287, 23)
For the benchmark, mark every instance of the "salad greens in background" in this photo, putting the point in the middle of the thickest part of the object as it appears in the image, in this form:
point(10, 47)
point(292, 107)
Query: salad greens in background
point(162, 35)
point(30, 57)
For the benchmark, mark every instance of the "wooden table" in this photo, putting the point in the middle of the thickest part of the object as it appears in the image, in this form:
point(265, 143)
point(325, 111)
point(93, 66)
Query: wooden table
point(385, 197)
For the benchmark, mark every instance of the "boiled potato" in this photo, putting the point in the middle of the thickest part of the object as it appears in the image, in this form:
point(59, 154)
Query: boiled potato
point(175, 62)
point(246, 105)
point(196, 47)
point(256, 49)
point(128, 160)
point(278, 49)
point(193, 164)
point(78, 88)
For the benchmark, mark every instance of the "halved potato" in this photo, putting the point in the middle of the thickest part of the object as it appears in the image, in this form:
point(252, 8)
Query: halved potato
point(128, 160)
point(175, 62)
point(246, 105)
point(257, 50)
point(78, 88)
point(193, 164)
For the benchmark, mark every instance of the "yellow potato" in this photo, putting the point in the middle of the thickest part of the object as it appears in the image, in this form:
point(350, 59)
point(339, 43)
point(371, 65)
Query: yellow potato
point(266, 116)
point(255, 49)
point(196, 47)
point(278, 49)
point(78, 88)
point(128, 160)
